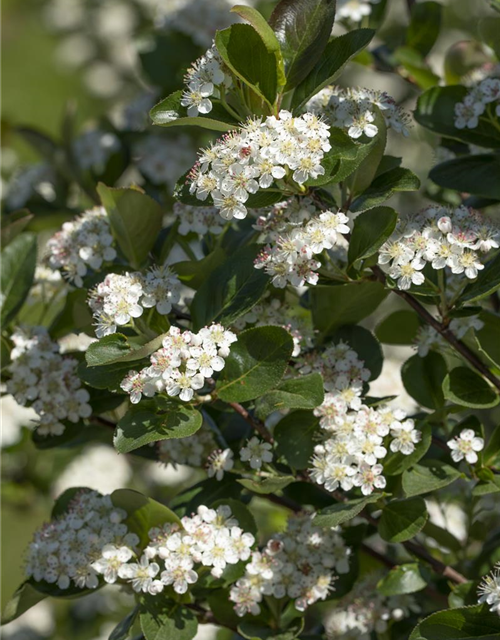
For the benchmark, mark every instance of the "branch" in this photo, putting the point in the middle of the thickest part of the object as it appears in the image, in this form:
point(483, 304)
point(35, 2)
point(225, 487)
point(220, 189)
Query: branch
point(257, 425)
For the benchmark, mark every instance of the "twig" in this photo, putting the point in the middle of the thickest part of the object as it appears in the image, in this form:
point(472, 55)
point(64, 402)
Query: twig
point(255, 424)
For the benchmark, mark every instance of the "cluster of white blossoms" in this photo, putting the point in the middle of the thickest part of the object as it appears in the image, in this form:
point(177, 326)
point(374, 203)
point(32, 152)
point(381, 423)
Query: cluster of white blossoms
point(365, 611)
point(441, 237)
point(207, 78)
point(355, 10)
point(252, 158)
point(300, 564)
point(163, 159)
point(83, 243)
point(89, 539)
point(44, 379)
point(121, 297)
point(354, 110)
point(482, 98)
point(295, 233)
point(191, 451)
point(183, 363)
point(94, 148)
point(466, 445)
point(200, 220)
point(26, 182)
point(428, 339)
point(489, 590)
point(356, 436)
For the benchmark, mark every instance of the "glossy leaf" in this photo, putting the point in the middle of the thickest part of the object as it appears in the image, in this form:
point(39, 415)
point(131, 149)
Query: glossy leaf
point(468, 389)
point(384, 187)
point(402, 579)
point(371, 230)
point(344, 511)
point(304, 392)
point(465, 623)
point(424, 27)
point(400, 327)
point(18, 270)
point(475, 174)
point(170, 113)
point(427, 476)
point(401, 520)
point(295, 437)
point(267, 485)
point(168, 621)
point(487, 282)
point(25, 597)
point(423, 378)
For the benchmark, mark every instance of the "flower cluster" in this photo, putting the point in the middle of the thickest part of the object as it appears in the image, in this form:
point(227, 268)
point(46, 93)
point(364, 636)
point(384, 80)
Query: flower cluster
point(244, 161)
point(355, 10)
point(121, 297)
point(191, 451)
point(183, 363)
point(90, 538)
point(441, 237)
point(365, 611)
point(85, 242)
point(489, 590)
point(43, 378)
point(296, 233)
point(36, 179)
point(94, 148)
point(355, 435)
point(200, 220)
point(355, 109)
point(207, 78)
point(481, 97)
point(300, 564)
point(466, 445)
point(428, 338)
point(163, 160)
point(211, 538)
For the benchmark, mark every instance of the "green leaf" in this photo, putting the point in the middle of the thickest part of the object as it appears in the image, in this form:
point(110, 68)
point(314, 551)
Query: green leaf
point(256, 364)
point(303, 28)
point(138, 427)
point(295, 438)
point(492, 451)
point(384, 187)
point(468, 389)
point(268, 36)
point(252, 631)
point(427, 476)
point(400, 327)
point(366, 346)
point(206, 492)
point(464, 623)
point(74, 317)
point(143, 513)
point(487, 282)
point(424, 26)
point(487, 337)
point(423, 377)
point(168, 621)
point(402, 579)
point(170, 113)
point(337, 305)
point(117, 349)
point(336, 55)
point(475, 174)
point(123, 628)
point(62, 503)
point(18, 270)
point(135, 219)
point(23, 599)
point(267, 485)
point(304, 392)
point(371, 230)
point(13, 224)
point(193, 274)
point(436, 111)
point(396, 463)
point(401, 520)
point(442, 536)
point(106, 376)
point(344, 511)
point(230, 291)
point(259, 71)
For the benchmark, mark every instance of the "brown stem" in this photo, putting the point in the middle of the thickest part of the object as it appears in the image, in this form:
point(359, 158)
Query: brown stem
point(255, 424)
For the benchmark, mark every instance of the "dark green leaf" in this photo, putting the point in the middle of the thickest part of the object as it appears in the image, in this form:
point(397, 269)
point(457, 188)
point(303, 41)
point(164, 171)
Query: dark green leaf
point(230, 291)
point(168, 621)
point(135, 220)
point(468, 389)
point(303, 28)
point(424, 26)
point(206, 492)
point(442, 536)
point(465, 623)
point(23, 599)
point(107, 376)
point(170, 113)
point(427, 476)
point(344, 511)
point(295, 438)
point(492, 451)
point(123, 628)
point(366, 170)
point(138, 427)
point(487, 337)
point(371, 230)
point(486, 283)
point(18, 270)
point(74, 317)
point(256, 364)
point(436, 111)
point(384, 187)
point(402, 579)
point(400, 327)
point(61, 505)
point(252, 631)
point(116, 348)
point(260, 69)
point(423, 378)
point(13, 224)
point(267, 485)
point(336, 55)
point(401, 520)
point(304, 392)
point(475, 174)
point(337, 305)
point(193, 274)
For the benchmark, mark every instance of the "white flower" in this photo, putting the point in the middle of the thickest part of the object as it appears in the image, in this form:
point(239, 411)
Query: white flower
point(256, 452)
point(369, 478)
point(184, 384)
point(489, 591)
point(408, 274)
point(141, 575)
point(466, 445)
point(219, 462)
point(179, 574)
point(111, 560)
point(196, 98)
point(405, 437)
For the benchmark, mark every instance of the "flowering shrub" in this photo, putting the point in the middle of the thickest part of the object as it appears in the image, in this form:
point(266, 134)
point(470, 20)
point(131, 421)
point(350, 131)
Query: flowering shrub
point(229, 314)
